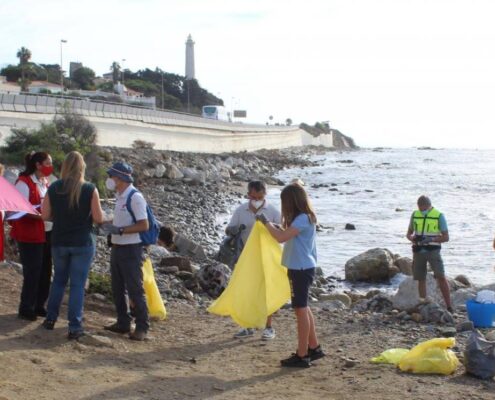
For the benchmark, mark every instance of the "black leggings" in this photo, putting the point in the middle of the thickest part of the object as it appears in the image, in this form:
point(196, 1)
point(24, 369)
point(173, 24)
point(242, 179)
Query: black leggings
point(36, 260)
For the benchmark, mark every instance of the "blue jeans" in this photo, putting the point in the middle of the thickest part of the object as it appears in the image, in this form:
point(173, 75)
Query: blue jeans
point(71, 263)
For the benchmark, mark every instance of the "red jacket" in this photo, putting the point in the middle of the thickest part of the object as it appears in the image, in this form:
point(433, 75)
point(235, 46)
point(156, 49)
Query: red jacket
point(26, 229)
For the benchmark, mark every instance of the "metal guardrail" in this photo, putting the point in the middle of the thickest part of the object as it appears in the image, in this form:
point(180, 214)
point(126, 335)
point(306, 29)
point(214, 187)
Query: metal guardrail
point(53, 104)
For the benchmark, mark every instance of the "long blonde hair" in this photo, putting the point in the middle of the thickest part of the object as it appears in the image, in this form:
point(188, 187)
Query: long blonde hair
point(72, 175)
point(295, 201)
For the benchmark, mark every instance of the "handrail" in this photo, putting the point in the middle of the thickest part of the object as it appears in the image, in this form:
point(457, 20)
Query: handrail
point(124, 111)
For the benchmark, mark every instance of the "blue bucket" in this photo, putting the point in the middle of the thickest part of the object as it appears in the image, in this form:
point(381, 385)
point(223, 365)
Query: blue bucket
point(482, 315)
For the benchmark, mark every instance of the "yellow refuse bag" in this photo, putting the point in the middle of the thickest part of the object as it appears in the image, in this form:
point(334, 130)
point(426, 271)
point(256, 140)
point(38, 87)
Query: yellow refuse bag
point(259, 285)
point(390, 356)
point(431, 357)
point(156, 308)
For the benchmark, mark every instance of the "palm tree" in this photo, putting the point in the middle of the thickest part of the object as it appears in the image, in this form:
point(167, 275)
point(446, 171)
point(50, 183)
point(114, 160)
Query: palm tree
point(24, 55)
point(115, 68)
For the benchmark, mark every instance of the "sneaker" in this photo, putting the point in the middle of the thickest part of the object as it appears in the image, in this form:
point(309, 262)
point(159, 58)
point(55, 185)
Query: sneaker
point(138, 335)
point(75, 335)
point(268, 334)
point(244, 332)
point(295, 361)
point(116, 328)
point(316, 353)
point(48, 324)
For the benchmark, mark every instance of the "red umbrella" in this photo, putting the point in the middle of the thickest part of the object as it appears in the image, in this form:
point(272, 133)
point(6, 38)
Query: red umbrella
point(12, 200)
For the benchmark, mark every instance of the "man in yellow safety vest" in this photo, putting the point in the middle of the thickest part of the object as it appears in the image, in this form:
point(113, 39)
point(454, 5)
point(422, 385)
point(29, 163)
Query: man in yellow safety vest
point(427, 231)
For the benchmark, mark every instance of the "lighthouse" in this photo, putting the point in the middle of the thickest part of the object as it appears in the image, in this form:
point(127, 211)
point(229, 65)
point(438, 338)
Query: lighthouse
point(190, 59)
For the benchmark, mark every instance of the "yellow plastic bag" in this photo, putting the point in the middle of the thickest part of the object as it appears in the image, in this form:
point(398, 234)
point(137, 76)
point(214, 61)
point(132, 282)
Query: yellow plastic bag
point(431, 357)
point(156, 308)
point(390, 356)
point(259, 285)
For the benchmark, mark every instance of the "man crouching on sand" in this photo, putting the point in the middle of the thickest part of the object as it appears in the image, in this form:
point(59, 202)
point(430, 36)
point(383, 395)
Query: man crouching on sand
point(427, 230)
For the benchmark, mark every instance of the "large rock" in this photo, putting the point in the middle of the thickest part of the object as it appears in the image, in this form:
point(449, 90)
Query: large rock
point(160, 170)
point(404, 264)
point(183, 263)
point(342, 297)
point(407, 296)
point(214, 278)
point(371, 266)
point(194, 175)
point(173, 172)
point(459, 297)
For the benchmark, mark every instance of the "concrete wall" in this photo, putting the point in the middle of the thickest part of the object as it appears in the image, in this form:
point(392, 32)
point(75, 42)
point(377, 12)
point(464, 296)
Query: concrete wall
point(120, 125)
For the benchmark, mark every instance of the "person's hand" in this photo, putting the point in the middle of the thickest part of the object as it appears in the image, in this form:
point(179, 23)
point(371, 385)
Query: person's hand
point(426, 240)
point(110, 228)
point(261, 218)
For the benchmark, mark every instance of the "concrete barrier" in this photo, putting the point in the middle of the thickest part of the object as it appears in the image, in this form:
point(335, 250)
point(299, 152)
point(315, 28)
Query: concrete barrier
point(123, 124)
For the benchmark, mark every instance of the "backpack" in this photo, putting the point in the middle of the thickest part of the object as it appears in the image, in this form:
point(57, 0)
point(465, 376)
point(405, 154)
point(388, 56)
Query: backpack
point(151, 235)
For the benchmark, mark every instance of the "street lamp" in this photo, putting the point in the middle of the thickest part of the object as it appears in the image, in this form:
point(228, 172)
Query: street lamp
point(61, 61)
point(123, 60)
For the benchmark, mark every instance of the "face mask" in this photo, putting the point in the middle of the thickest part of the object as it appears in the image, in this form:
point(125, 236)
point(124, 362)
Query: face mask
point(257, 203)
point(46, 170)
point(110, 184)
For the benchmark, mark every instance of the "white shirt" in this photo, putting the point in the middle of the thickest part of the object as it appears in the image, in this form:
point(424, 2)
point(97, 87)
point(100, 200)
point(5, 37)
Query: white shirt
point(244, 216)
point(42, 185)
point(123, 218)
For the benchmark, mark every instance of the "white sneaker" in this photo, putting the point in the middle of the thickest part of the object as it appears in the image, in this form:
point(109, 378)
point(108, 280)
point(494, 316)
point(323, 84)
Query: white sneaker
point(268, 334)
point(244, 332)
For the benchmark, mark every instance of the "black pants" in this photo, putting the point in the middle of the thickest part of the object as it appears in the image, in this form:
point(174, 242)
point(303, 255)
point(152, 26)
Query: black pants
point(127, 279)
point(36, 260)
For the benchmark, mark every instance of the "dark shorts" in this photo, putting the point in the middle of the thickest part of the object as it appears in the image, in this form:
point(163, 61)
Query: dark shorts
point(420, 261)
point(300, 281)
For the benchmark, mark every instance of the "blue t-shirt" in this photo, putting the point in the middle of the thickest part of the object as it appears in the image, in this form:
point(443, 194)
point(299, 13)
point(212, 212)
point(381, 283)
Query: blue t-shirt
point(300, 251)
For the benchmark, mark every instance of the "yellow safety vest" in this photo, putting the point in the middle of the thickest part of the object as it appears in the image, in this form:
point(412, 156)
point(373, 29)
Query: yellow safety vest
point(427, 225)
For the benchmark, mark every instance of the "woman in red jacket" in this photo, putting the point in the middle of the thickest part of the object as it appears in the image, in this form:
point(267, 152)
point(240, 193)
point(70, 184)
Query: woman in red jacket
point(29, 233)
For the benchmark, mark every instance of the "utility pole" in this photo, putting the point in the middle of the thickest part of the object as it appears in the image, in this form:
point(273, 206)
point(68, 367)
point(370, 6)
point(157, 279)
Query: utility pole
point(62, 41)
point(123, 60)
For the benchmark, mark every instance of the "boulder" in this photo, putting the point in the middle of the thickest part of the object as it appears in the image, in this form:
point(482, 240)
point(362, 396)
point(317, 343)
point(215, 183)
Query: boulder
point(459, 297)
point(342, 297)
point(379, 303)
point(407, 296)
point(350, 227)
point(433, 312)
point(464, 280)
point(160, 170)
point(332, 305)
point(371, 266)
point(173, 172)
point(213, 278)
point(195, 176)
point(183, 263)
point(404, 264)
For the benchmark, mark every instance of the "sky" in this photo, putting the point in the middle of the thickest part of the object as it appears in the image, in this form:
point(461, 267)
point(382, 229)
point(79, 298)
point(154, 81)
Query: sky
point(390, 73)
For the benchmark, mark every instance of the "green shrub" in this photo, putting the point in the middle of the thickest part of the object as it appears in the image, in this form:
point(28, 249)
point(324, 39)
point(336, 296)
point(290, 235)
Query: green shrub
point(100, 283)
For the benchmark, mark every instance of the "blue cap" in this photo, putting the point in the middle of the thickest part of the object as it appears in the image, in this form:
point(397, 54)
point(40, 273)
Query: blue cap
point(121, 170)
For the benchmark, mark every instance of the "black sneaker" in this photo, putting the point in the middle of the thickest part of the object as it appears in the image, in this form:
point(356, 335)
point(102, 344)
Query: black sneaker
point(75, 335)
point(48, 324)
point(316, 353)
point(295, 361)
point(115, 327)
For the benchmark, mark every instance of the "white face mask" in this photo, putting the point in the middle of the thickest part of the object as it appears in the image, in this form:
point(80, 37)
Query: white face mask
point(110, 184)
point(257, 203)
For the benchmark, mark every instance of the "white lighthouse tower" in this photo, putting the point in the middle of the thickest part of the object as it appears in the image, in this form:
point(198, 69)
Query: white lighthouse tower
point(190, 59)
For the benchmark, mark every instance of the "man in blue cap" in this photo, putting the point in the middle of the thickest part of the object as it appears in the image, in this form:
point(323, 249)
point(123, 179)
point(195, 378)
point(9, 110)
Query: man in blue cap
point(127, 252)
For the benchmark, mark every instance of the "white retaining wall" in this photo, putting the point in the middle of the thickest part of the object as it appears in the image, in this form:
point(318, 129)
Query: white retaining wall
point(122, 133)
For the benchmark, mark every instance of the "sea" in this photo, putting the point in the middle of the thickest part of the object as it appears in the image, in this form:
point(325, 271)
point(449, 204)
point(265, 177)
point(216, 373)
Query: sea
point(376, 191)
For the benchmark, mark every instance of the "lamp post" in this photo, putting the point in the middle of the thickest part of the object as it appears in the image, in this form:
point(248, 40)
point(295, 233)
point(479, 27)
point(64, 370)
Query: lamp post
point(62, 41)
point(162, 92)
point(123, 60)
